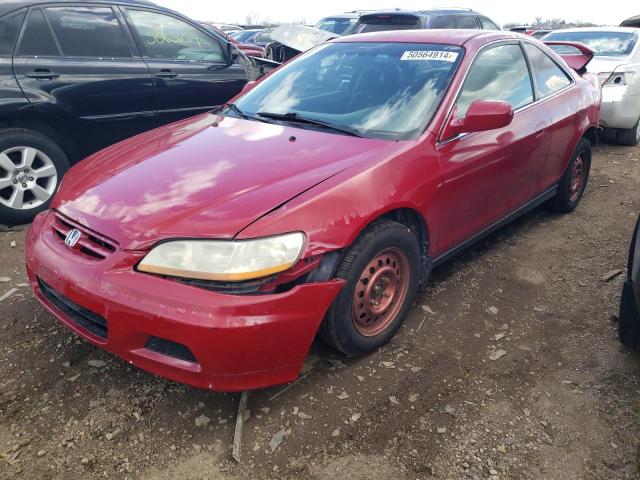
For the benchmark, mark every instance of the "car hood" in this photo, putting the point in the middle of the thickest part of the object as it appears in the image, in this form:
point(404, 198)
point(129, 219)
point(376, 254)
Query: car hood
point(210, 176)
point(600, 64)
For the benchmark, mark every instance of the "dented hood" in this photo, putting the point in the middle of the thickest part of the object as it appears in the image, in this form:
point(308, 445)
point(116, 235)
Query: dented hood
point(210, 176)
point(301, 38)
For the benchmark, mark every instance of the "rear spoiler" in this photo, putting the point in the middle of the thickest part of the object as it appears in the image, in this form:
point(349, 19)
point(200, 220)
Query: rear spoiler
point(578, 57)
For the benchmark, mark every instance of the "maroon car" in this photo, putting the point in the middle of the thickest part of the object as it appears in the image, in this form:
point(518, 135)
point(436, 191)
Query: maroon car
point(213, 250)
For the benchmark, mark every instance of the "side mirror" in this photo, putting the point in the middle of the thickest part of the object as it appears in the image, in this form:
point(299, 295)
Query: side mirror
point(248, 87)
point(482, 115)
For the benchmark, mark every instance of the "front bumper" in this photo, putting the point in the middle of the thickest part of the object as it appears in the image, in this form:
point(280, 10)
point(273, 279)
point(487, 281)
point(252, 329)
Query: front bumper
point(619, 109)
point(239, 342)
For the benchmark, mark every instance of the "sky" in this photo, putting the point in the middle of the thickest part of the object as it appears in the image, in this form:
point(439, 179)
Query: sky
point(501, 11)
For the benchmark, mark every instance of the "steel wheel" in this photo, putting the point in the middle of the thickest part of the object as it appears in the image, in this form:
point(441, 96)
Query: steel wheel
point(380, 293)
point(577, 178)
point(28, 178)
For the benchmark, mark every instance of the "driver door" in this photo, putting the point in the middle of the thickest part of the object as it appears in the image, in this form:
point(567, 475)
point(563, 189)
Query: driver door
point(491, 174)
point(188, 65)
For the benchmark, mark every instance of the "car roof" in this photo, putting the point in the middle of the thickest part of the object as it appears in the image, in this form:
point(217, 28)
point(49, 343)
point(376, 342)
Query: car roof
point(446, 37)
point(597, 29)
point(424, 13)
point(7, 6)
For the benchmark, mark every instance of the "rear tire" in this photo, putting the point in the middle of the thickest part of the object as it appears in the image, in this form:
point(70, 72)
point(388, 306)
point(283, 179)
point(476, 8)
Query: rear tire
point(629, 136)
point(381, 270)
point(31, 168)
point(574, 181)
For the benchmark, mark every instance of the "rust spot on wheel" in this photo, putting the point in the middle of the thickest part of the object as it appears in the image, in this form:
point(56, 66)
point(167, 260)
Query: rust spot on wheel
point(576, 183)
point(381, 291)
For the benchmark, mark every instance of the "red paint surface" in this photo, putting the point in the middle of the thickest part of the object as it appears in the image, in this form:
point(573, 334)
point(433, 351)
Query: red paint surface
point(217, 177)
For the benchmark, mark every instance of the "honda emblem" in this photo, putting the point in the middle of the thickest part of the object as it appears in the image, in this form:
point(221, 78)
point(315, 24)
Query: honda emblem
point(72, 238)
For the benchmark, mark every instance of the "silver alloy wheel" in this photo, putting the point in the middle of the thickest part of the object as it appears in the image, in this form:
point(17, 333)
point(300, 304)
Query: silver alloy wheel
point(28, 178)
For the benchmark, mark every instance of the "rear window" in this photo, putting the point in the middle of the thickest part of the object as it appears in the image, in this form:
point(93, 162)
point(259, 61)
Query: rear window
point(606, 44)
point(442, 21)
point(488, 24)
point(467, 21)
point(379, 23)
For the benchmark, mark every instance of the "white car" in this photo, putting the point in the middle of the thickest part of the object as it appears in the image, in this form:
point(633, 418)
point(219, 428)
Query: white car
point(617, 63)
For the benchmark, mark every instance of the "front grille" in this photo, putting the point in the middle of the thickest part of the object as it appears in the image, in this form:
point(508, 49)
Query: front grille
point(170, 349)
point(90, 245)
point(88, 320)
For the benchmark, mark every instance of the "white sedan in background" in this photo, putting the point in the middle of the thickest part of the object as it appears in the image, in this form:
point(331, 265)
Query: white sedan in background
point(617, 63)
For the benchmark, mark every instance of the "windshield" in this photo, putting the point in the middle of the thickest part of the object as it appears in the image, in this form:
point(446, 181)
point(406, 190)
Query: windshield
point(335, 25)
point(606, 44)
point(379, 90)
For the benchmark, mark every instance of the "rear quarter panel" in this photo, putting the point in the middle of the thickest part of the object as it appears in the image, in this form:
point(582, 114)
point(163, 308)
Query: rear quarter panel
point(572, 113)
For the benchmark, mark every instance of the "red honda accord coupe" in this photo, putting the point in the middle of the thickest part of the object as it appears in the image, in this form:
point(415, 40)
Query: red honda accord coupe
point(213, 250)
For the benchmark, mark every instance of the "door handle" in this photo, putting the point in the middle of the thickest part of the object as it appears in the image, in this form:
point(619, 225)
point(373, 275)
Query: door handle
point(165, 73)
point(42, 74)
point(540, 128)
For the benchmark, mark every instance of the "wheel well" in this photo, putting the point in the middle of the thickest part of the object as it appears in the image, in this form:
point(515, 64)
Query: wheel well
point(50, 128)
point(415, 222)
point(592, 135)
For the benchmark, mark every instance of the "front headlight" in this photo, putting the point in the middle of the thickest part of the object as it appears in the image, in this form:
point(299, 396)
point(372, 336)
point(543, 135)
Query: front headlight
point(226, 261)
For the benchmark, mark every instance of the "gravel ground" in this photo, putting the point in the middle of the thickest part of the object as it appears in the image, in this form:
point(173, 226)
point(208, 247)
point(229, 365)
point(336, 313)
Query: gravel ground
point(508, 367)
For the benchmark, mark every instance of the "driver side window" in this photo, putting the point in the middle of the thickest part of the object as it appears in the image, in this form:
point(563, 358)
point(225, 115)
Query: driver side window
point(499, 73)
point(168, 38)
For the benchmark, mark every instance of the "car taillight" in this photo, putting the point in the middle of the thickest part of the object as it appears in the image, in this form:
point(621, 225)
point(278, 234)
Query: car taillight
point(615, 79)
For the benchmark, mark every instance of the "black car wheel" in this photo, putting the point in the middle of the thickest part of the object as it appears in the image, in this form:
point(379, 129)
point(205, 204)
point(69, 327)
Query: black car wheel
point(574, 180)
point(381, 270)
point(629, 136)
point(31, 167)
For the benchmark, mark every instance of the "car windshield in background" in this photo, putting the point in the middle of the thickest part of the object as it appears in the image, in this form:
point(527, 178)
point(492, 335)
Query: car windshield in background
point(606, 44)
point(378, 90)
point(381, 23)
point(336, 25)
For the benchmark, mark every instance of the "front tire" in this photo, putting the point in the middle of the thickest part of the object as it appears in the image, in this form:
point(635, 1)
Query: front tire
point(31, 167)
point(574, 181)
point(381, 270)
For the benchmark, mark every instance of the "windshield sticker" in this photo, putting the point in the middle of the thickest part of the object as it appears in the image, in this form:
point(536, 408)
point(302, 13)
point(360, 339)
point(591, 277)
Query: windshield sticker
point(430, 55)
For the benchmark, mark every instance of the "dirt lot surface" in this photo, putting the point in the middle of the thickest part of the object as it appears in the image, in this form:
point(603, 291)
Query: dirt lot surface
point(563, 402)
